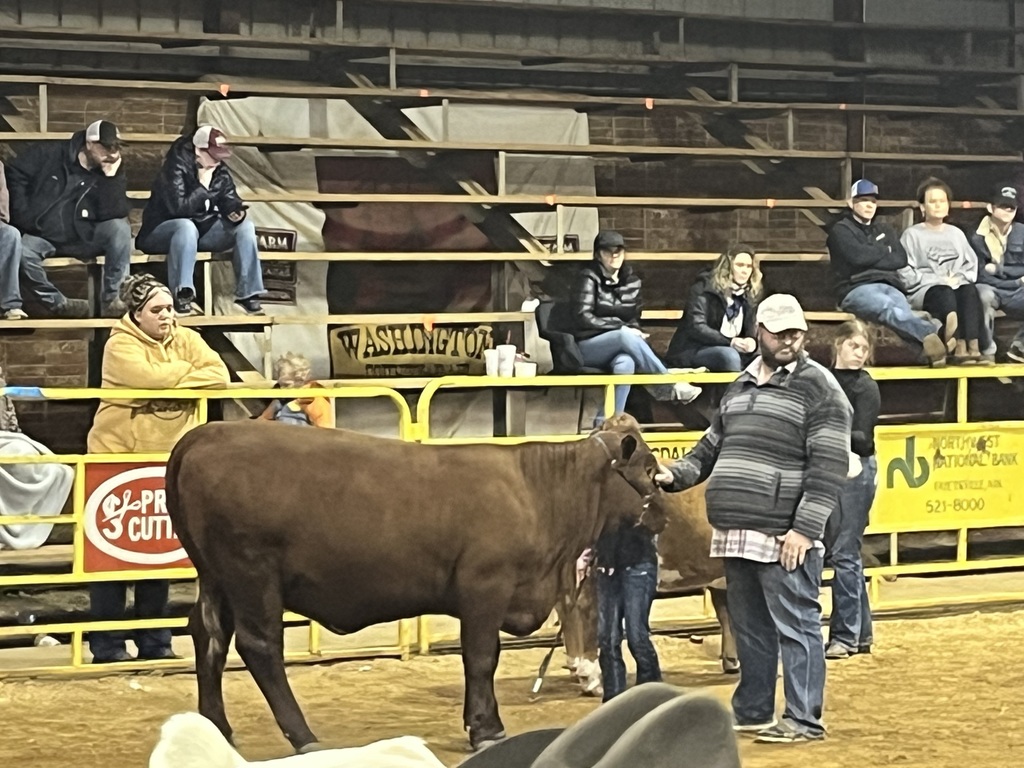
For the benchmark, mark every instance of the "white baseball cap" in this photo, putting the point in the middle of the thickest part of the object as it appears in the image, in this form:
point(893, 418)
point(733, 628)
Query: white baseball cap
point(781, 312)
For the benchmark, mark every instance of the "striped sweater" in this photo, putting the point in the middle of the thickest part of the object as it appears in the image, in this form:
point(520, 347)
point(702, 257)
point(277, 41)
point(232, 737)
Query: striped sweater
point(776, 454)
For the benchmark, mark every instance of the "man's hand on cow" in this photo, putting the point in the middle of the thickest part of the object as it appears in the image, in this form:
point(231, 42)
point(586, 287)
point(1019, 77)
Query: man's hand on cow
point(664, 476)
point(794, 550)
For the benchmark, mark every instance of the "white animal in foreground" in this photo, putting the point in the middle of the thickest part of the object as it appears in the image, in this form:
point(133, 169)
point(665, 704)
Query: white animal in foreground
point(189, 740)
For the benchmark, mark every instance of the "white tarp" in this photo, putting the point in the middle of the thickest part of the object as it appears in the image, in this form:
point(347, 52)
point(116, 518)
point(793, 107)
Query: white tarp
point(296, 171)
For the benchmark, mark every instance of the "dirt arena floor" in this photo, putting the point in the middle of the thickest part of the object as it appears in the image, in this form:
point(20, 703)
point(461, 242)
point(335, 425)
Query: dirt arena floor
point(938, 693)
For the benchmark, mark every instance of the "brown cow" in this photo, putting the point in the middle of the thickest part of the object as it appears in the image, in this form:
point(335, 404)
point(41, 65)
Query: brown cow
point(684, 566)
point(351, 530)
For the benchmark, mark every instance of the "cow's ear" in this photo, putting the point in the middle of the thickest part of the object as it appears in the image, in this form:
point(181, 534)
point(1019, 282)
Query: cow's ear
point(628, 446)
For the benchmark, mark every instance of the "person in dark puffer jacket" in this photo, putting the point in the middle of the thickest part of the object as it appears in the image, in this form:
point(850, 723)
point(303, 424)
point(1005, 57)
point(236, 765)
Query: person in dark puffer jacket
point(606, 307)
point(718, 328)
point(194, 206)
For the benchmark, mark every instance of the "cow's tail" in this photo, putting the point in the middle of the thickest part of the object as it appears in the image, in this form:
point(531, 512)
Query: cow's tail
point(173, 496)
point(189, 740)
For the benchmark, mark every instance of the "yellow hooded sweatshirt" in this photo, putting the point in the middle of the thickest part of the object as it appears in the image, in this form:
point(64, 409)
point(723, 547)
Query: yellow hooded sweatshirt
point(132, 359)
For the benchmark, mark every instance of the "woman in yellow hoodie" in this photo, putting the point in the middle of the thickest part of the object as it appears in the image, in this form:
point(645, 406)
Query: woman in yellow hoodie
point(146, 350)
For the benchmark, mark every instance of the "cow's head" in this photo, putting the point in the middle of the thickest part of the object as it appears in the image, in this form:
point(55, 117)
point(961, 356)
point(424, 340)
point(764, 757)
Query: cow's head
point(630, 457)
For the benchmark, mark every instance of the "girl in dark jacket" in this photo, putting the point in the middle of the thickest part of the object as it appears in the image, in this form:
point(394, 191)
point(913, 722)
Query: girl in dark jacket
point(718, 328)
point(606, 310)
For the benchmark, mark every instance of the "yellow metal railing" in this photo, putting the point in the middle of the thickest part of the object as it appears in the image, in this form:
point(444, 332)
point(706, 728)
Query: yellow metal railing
point(78, 573)
point(894, 522)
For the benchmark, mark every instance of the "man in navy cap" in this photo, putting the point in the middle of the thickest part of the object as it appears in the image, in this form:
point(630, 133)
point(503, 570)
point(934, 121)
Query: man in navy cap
point(865, 257)
point(69, 198)
point(999, 243)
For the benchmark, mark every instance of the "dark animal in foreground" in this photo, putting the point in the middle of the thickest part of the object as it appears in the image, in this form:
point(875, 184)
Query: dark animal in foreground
point(350, 530)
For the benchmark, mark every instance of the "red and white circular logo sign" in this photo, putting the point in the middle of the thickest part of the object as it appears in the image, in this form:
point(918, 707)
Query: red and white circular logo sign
point(126, 522)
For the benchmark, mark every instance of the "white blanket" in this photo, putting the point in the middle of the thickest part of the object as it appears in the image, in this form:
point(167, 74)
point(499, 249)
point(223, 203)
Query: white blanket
point(30, 489)
point(189, 740)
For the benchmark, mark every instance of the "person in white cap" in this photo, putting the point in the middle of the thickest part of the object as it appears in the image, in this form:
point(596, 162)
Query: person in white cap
point(777, 455)
point(194, 206)
point(69, 198)
point(865, 256)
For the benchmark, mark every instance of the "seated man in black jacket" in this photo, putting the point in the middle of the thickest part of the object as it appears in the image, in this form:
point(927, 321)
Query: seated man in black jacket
point(194, 206)
point(69, 198)
point(865, 257)
point(627, 580)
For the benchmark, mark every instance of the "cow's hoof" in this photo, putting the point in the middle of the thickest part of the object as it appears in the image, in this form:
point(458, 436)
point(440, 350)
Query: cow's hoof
point(730, 666)
point(489, 741)
point(313, 746)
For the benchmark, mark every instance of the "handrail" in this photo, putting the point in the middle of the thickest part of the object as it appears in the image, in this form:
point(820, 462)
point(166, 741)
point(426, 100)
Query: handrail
point(528, 148)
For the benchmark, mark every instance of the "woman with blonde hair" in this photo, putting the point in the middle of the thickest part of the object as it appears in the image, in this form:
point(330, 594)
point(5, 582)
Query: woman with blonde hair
point(850, 627)
point(718, 330)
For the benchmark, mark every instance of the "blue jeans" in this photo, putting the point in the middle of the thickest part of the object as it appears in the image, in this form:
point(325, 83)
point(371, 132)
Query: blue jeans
point(771, 607)
point(622, 352)
point(992, 298)
point(624, 597)
point(881, 303)
point(850, 624)
point(10, 266)
point(180, 240)
point(716, 359)
point(111, 239)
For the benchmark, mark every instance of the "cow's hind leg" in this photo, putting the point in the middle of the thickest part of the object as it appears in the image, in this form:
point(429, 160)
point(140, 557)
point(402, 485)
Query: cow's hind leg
point(212, 625)
point(259, 638)
point(730, 660)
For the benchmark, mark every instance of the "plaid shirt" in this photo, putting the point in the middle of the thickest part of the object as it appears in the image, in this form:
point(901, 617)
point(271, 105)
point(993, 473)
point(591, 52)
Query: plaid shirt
point(750, 545)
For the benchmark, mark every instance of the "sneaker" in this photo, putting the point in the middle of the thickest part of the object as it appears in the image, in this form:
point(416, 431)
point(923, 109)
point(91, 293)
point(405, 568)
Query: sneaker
point(116, 657)
point(161, 654)
point(186, 308)
point(1016, 351)
point(15, 314)
point(753, 727)
point(685, 393)
point(864, 649)
point(72, 308)
point(986, 360)
point(115, 308)
point(838, 651)
point(250, 306)
point(934, 350)
point(785, 733)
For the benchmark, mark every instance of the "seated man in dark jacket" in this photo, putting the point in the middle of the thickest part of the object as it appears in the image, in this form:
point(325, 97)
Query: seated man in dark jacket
point(999, 243)
point(193, 206)
point(69, 198)
point(865, 257)
point(605, 305)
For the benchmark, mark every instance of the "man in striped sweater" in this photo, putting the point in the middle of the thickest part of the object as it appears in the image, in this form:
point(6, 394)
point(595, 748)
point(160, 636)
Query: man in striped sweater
point(777, 456)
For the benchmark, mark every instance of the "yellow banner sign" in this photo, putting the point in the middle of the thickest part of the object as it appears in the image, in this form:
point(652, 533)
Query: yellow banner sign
point(947, 476)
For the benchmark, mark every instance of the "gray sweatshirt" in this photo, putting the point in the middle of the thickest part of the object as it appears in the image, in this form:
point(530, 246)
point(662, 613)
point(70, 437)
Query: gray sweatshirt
point(934, 255)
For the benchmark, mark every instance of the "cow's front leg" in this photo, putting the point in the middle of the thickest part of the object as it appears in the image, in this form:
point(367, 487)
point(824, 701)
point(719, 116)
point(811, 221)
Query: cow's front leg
point(480, 649)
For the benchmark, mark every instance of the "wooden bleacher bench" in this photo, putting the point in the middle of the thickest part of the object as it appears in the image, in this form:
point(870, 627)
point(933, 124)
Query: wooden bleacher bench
point(315, 256)
point(48, 555)
point(426, 97)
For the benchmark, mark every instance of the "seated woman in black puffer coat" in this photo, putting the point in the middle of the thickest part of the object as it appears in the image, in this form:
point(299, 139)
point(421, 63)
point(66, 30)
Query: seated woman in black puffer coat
point(606, 311)
point(718, 330)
